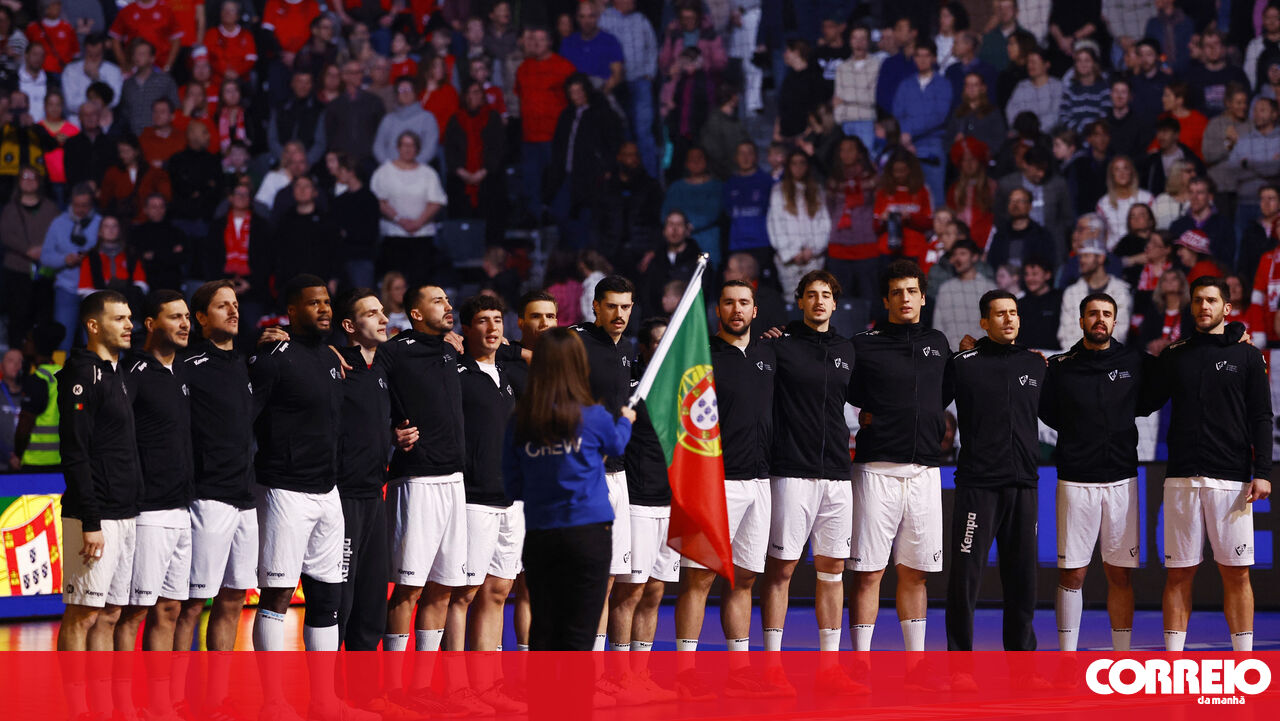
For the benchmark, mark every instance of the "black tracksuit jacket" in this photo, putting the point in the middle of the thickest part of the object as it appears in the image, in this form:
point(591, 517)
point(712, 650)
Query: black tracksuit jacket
point(222, 414)
point(897, 381)
point(810, 436)
point(422, 370)
point(486, 410)
point(610, 376)
point(744, 394)
point(298, 391)
point(365, 438)
point(162, 425)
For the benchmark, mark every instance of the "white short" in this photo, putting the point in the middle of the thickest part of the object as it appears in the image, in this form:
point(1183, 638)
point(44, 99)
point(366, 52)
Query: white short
point(899, 516)
point(749, 504)
point(495, 539)
point(224, 548)
point(651, 557)
point(1194, 506)
point(301, 533)
point(427, 518)
point(1089, 512)
point(161, 557)
point(816, 510)
point(102, 581)
point(620, 500)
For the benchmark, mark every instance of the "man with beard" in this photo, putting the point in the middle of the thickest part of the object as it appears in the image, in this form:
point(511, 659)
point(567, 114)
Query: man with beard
point(1219, 462)
point(162, 425)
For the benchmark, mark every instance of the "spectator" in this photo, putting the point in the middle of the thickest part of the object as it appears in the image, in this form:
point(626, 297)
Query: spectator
point(24, 223)
point(1258, 239)
point(232, 50)
point(290, 23)
point(58, 130)
point(700, 197)
point(293, 162)
point(802, 91)
point(799, 225)
point(70, 238)
point(1040, 306)
point(1094, 278)
point(92, 67)
point(1004, 22)
point(391, 292)
point(11, 383)
point(239, 248)
point(1087, 229)
point(593, 51)
point(975, 117)
point(972, 193)
point(355, 214)
point(1168, 150)
point(89, 153)
point(1148, 81)
point(33, 81)
point(473, 152)
point(319, 50)
point(1202, 215)
point(351, 120)
point(130, 181)
point(687, 101)
point(1050, 198)
point(673, 259)
point(1168, 317)
point(1019, 47)
point(1072, 23)
point(330, 85)
point(628, 207)
point(410, 197)
point(55, 35)
point(439, 97)
point(1040, 93)
point(853, 250)
point(162, 249)
point(195, 176)
point(1191, 123)
point(903, 209)
point(746, 205)
point(1130, 133)
point(1212, 76)
point(855, 88)
point(113, 265)
point(640, 63)
point(1088, 179)
point(301, 118)
point(151, 22)
point(1222, 134)
point(723, 132)
point(408, 116)
point(146, 85)
point(86, 16)
point(403, 65)
point(771, 311)
point(1173, 202)
point(540, 88)
point(1194, 254)
point(592, 268)
point(922, 108)
point(1144, 275)
point(1263, 49)
point(956, 311)
point(305, 240)
point(831, 50)
point(1254, 161)
point(585, 143)
point(161, 140)
point(1088, 96)
point(900, 66)
point(692, 29)
point(1122, 193)
point(966, 62)
point(1020, 237)
point(196, 107)
point(1173, 30)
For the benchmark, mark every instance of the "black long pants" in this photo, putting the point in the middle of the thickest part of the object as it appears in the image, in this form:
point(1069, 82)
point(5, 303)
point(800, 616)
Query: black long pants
point(1008, 517)
point(362, 614)
point(567, 572)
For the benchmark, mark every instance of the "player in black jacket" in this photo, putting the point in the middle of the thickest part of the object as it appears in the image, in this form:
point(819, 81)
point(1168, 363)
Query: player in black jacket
point(1219, 462)
point(104, 481)
point(298, 391)
point(162, 423)
point(1091, 396)
point(611, 379)
point(224, 521)
point(811, 495)
point(997, 392)
point(897, 488)
point(743, 371)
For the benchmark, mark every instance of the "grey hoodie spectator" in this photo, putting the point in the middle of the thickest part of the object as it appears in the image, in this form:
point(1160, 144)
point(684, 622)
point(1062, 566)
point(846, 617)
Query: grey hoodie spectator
point(409, 116)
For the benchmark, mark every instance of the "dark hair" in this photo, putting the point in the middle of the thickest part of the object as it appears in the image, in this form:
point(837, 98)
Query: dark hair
point(346, 305)
point(1026, 124)
point(613, 284)
point(477, 303)
point(80, 189)
point(1269, 186)
point(105, 92)
point(818, 276)
point(1151, 43)
point(203, 296)
point(1105, 297)
point(1211, 281)
point(1038, 52)
point(298, 283)
point(739, 284)
point(535, 297)
point(1201, 180)
point(159, 298)
point(48, 336)
point(1040, 262)
point(1121, 80)
point(162, 101)
point(345, 161)
point(958, 14)
point(1168, 122)
point(725, 92)
point(1037, 156)
point(965, 244)
point(95, 39)
point(550, 409)
point(1179, 89)
point(414, 292)
point(95, 303)
point(929, 45)
point(646, 328)
point(991, 296)
point(800, 47)
point(899, 270)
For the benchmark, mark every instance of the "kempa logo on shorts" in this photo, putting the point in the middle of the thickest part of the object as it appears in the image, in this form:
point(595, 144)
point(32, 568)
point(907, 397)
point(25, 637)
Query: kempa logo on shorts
point(1028, 381)
point(405, 572)
point(274, 574)
point(970, 525)
point(1215, 681)
point(1242, 549)
point(1228, 367)
point(1118, 375)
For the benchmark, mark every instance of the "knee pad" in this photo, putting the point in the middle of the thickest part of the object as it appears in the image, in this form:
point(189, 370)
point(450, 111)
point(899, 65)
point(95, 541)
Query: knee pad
point(323, 600)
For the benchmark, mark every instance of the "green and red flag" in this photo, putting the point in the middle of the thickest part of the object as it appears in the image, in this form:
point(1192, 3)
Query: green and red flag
point(678, 388)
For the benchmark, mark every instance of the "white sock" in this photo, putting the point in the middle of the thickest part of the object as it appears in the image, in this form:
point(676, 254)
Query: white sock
point(642, 645)
point(268, 630)
point(1120, 638)
point(1174, 640)
point(686, 644)
point(522, 647)
point(427, 639)
point(324, 638)
point(599, 644)
point(738, 644)
point(1242, 641)
point(619, 646)
point(829, 639)
point(395, 641)
point(773, 639)
point(913, 633)
point(862, 636)
point(1069, 604)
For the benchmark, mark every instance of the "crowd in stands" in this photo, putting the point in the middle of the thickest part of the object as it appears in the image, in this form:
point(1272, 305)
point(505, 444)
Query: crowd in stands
point(1049, 148)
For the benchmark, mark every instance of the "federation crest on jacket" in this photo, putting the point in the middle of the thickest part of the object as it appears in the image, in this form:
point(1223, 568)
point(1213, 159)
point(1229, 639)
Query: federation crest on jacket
point(699, 414)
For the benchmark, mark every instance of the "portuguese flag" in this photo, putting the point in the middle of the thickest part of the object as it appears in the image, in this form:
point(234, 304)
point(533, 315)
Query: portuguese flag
point(679, 390)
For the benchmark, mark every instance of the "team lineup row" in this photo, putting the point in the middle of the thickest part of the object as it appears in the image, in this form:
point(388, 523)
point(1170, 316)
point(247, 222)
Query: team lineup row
point(175, 496)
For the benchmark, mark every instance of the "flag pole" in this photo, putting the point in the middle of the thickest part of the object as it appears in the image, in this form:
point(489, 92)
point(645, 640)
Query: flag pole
point(677, 318)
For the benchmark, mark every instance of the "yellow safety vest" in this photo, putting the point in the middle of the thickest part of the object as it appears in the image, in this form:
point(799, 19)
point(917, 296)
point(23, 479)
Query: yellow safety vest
point(43, 448)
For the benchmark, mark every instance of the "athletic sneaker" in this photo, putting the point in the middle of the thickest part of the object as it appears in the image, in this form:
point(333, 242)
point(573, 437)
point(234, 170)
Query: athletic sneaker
point(469, 701)
point(340, 711)
point(926, 677)
point(964, 683)
point(775, 678)
point(657, 694)
point(836, 682)
point(425, 704)
point(389, 710)
point(624, 690)
point(690, 686)
point(745, 683)
point(502, 701)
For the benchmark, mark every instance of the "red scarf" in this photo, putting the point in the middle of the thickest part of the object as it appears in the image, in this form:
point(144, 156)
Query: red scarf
point(473, 128)
point(237, 245)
